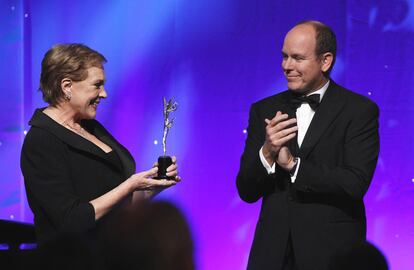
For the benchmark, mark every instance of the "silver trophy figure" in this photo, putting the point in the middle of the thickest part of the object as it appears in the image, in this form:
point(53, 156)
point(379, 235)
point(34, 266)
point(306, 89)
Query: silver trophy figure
point(165, 161)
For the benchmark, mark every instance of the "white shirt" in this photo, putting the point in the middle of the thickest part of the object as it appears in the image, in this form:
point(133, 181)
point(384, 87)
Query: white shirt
point(304, 116)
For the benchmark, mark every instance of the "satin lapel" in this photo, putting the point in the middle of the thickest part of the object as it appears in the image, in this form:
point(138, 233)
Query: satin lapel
point(326, 113)
point(282, 104)
point(127, 160)
point(286, 108)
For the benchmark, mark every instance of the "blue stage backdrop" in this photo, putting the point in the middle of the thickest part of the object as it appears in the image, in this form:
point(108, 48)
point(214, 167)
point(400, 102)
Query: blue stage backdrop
point(216, 58)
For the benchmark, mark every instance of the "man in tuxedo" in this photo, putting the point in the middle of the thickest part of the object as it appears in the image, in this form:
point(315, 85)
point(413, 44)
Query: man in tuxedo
point(310, 154)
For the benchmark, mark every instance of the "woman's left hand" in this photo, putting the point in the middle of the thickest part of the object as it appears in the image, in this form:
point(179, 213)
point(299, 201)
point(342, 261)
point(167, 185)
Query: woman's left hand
point(172, 169)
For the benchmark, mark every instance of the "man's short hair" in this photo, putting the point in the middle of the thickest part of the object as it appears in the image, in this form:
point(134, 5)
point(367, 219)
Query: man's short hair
point(325, 40)
point(66, 61)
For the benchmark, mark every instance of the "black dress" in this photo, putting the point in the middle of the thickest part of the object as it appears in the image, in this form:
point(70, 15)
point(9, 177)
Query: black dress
point(63, 172)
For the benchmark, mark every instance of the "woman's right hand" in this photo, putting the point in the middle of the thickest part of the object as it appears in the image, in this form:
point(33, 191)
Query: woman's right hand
point(144, 181)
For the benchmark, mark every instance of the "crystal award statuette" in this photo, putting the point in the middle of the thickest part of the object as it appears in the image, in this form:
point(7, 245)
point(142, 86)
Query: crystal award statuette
point(165, 161)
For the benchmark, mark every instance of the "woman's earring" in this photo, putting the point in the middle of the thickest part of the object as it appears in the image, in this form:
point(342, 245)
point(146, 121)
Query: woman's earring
point(68, 95)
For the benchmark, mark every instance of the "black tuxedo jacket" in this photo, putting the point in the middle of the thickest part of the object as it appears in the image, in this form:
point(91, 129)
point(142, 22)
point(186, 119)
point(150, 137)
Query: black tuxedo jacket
point(323, 210)
point(63, 172)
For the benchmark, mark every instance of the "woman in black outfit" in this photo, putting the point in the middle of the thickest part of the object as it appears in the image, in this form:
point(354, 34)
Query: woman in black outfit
point(75, 172)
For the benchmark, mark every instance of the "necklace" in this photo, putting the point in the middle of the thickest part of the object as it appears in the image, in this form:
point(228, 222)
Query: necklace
point(80, 131)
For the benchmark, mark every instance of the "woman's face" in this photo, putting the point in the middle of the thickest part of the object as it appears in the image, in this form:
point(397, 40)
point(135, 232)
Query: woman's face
point(87, 94)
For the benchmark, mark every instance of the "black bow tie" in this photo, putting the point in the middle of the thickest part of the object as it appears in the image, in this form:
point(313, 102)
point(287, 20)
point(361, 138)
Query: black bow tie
point(312, 100)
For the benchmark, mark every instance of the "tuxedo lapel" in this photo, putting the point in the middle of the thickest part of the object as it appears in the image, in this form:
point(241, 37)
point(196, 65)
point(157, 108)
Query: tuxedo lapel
point(281, 103)
point(326, 113)
point(292, 144)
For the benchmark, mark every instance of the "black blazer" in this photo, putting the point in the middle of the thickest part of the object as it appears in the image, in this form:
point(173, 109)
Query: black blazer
point(323, 210)
point(63, 172)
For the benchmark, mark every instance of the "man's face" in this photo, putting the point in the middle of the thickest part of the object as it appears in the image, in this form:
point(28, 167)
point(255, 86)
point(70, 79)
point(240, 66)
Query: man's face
point(301, 66)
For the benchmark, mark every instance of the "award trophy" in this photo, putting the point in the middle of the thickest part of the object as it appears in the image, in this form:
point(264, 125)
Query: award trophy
point(165, 161)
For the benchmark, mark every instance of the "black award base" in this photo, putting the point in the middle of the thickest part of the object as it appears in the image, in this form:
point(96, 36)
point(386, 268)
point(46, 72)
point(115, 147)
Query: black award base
point(163, 163)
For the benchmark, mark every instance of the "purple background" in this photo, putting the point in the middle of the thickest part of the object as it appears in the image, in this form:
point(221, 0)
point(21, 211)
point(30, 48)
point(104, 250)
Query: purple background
point(216, 57)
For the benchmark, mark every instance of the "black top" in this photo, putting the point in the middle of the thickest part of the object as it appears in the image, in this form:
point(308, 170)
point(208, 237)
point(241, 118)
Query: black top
point(63, 172)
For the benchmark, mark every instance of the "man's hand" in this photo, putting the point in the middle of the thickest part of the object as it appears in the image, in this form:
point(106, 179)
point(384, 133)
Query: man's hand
point(285, 159)
point(279, 131)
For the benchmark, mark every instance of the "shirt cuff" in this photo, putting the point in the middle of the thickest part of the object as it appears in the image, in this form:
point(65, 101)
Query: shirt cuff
point(293, 177)
point(269, 169)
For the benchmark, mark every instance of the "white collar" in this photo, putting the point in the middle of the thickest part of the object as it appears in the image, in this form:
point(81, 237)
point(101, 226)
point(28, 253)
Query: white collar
point(321, 91)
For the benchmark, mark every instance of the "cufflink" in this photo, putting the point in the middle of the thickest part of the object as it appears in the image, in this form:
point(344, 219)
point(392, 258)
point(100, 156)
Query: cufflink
point(293, 170)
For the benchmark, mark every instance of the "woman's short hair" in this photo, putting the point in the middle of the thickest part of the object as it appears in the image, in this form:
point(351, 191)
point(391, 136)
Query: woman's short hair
point(66, 61)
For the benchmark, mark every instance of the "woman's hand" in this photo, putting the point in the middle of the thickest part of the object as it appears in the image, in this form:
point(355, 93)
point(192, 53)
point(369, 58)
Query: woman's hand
point(144, 181)
point(171, 170)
